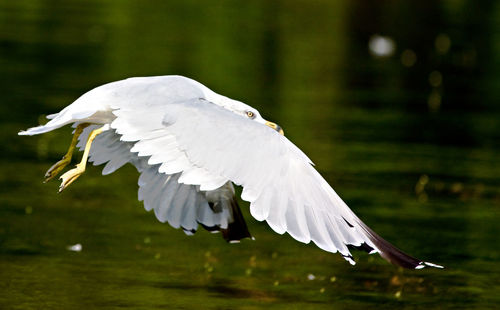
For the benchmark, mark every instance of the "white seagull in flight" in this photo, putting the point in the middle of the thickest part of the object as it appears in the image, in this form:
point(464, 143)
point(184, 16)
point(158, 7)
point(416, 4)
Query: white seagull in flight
point(190, 145)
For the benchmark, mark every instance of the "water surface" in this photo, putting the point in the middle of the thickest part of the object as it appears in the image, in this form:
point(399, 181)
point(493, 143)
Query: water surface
point(409, 140)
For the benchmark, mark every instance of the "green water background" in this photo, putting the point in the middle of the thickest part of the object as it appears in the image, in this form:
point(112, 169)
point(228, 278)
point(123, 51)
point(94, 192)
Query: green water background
point(410, 141)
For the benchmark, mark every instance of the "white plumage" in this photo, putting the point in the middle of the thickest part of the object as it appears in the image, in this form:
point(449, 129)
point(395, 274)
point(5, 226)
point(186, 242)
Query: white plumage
point(190, 144)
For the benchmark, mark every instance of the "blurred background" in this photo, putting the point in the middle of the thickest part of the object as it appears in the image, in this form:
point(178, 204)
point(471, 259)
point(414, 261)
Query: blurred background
point(396, 102)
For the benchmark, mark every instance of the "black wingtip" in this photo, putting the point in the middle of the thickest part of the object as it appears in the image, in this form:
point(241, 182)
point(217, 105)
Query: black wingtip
point(237, 229)
point(391, 253)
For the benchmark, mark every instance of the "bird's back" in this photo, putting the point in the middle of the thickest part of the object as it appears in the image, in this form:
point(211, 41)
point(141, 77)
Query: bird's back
point(139, 93)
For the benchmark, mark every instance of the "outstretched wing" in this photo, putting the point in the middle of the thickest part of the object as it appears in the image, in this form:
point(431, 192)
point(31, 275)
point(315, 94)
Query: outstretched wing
point(208, 145)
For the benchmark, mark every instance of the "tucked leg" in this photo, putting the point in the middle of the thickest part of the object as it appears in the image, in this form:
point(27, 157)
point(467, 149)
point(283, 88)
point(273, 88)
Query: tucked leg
point(57, 167)
point(71, 175)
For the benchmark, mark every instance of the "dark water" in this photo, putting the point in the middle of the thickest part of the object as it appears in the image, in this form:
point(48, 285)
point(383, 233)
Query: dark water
point(410, 140)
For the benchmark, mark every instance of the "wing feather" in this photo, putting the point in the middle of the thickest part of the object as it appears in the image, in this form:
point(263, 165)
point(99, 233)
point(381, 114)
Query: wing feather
point(188, 217)
point(174, 213)
point(167, 197)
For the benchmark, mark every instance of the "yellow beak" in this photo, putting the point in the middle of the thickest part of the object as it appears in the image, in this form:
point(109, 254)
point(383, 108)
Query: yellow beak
point(275, 127)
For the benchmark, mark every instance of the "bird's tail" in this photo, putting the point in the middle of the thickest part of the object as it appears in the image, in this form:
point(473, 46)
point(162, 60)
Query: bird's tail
point(78, 111)
point(56, 121)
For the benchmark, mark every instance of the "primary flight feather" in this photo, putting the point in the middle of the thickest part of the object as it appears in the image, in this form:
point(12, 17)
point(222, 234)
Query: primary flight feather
point(190, 145)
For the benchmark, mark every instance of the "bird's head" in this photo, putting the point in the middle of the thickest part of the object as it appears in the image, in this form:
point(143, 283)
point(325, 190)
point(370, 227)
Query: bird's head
point(251, 113)
point(243, 110)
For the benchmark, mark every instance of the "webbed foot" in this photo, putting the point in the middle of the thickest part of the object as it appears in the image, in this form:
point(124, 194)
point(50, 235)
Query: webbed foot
point(70, 176)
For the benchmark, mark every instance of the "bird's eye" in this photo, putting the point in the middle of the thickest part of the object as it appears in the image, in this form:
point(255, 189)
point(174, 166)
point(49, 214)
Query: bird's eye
point(250, 114)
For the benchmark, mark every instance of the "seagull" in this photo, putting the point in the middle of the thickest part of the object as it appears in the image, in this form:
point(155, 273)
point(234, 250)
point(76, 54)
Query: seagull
point(190, 145)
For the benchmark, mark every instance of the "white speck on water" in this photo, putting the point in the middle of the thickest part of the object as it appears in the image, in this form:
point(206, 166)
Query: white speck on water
point(74, 248)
